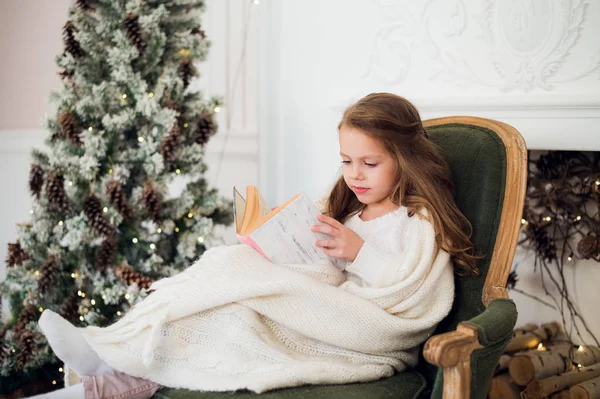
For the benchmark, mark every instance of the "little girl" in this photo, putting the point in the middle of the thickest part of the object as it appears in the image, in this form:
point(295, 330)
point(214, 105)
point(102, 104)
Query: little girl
point(396, 234)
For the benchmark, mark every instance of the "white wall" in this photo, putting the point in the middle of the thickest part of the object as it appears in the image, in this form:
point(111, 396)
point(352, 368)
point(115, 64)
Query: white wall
point(232, 155)
point(533, 64)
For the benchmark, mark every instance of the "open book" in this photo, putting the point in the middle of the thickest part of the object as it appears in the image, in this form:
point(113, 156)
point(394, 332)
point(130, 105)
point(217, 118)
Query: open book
point(282, 235)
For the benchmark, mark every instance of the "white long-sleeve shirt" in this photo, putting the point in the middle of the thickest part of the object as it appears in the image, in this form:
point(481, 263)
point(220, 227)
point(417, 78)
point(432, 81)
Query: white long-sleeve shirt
point(388, 239)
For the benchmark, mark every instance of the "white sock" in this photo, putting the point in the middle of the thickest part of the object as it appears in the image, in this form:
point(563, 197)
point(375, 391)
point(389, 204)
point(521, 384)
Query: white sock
point(73, 392)
point(70, 346)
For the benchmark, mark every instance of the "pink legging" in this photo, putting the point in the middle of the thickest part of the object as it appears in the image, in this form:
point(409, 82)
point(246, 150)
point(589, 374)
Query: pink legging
point(117, 385)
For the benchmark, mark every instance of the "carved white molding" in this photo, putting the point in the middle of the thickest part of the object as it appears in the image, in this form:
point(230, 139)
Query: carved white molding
point(512, 45)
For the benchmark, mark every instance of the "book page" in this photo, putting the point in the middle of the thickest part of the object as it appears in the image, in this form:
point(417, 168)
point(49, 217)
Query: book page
point(265, 209)
point(239, 206)
point(287, 237)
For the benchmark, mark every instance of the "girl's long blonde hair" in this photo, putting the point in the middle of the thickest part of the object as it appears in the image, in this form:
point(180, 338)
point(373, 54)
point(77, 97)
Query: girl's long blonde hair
point(422, 174)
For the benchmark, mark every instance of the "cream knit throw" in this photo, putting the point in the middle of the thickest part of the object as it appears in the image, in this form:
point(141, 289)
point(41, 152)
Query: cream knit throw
point(236, 321)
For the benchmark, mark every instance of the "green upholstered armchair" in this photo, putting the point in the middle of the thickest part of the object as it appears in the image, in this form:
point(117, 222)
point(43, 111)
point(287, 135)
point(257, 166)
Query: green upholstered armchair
point(488, 162)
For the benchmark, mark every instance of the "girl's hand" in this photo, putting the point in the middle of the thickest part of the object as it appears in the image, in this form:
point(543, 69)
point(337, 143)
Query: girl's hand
point(344, 243)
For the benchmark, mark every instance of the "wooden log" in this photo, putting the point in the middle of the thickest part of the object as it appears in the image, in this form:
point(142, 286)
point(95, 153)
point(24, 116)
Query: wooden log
point(532, 339)
point(586, 355)
point(589, 389)
point(561, 395)
point(536, 365)
point(503, 387)
point(525, 328)
point(542, 388)
point(502, 363)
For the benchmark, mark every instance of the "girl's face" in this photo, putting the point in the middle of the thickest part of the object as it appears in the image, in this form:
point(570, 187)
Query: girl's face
point(368, 169)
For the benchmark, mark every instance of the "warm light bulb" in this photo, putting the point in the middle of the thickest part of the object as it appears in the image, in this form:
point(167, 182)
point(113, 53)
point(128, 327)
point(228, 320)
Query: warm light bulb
point(178, 171)
point(105, 209)
point(123, 96)
point(185, 125)
point(190, 215)
point(37, 273)
point(580, 349)
point(540, 346)
point(135, 240)
point(53, 382)
point(41, 309)
point(90, 128)
point(177, 229)
point(141, 139)
point(60, 369)
point(70, 182)
point(126, 296)
point(103, 296)
point(81, 318)
point(578, 218)
point(569, 258)
point(60, 223)
point(217, 109)
point(83, 294)
point(93, 301)
point(152, 246)
point(73, 275)
point(159, 230)
point(200, 239)
point(118, 313)
point(110, 171)
point(79, 293)
point(150, 94)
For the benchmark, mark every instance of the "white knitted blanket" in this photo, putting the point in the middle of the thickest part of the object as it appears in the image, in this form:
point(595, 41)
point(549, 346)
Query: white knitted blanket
point(236, 321)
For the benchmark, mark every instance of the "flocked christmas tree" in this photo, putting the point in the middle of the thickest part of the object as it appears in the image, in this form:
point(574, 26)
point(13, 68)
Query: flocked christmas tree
point(127, 128)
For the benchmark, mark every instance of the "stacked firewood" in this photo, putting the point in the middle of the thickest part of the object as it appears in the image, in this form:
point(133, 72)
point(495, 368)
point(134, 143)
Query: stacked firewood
point(540, 362)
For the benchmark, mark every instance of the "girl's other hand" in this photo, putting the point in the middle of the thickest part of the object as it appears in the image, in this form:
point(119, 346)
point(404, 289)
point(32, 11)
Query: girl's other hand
point(344, 243)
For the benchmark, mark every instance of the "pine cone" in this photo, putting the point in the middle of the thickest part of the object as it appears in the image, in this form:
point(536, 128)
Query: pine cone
point(169, 103)
point(84, 5)
point(69, 127)
point(93, 210)
point(36, 180)
point(187, 70)
point(132, 27)
point(151, 202)
point(588, 246)
point(28, 314)
point(127, 275)
point(4, 349)
point(70, 308)
point(16, 255)
point(204, 129)
point(27, 348)
point(117, 198)
point(199, 31)
point(66, 74)
point(170, 144)
point(55, 189)
point(48, 274)
point(71, 45)
point(106, 254)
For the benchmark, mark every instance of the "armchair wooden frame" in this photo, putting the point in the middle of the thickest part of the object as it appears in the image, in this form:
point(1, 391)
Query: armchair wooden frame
point(452, 350)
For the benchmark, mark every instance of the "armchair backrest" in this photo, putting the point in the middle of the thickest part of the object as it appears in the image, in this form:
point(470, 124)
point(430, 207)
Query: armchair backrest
point(488, 160)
